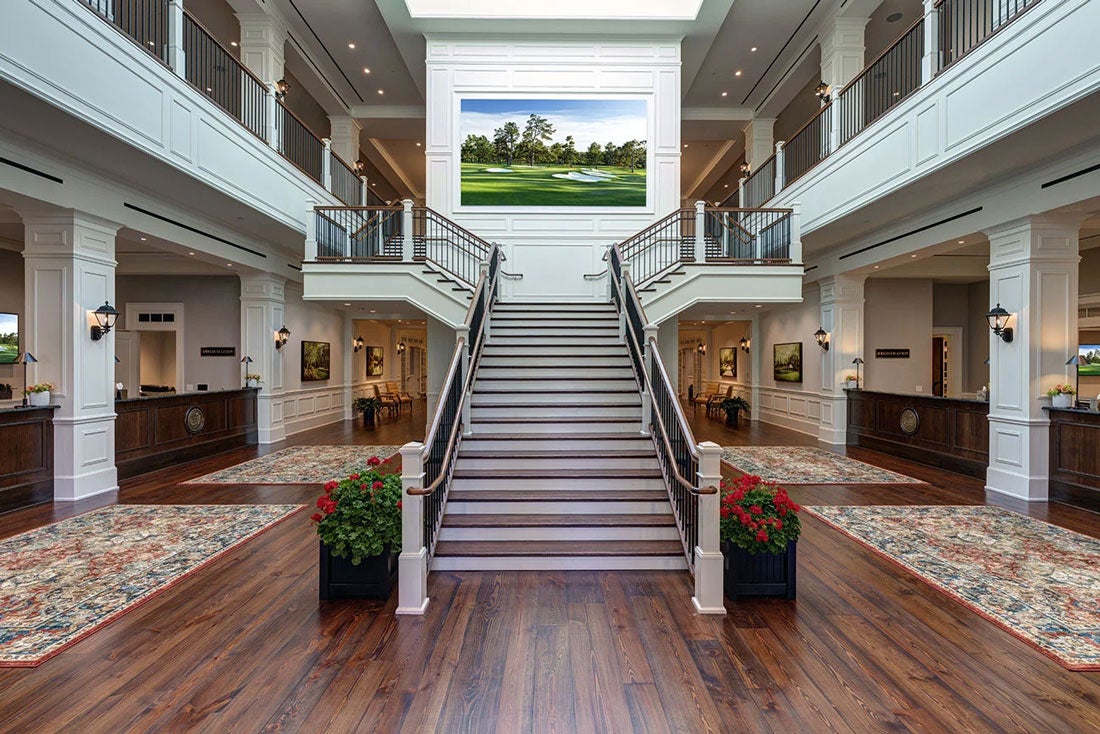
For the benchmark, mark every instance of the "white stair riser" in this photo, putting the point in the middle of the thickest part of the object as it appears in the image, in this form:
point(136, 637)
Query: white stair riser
point(504, 463)
point(637, 532)
point(500, 400)
point(578, 362)
point(528, 507)
point(527, 323)
point(538, 378)
point(522, 337)
point(550, 443)
point(550, 334)
point(479, 414)
point(552, 307)
point(535, 350)
point(559, 484)
point(549, 429)
point(561, 563)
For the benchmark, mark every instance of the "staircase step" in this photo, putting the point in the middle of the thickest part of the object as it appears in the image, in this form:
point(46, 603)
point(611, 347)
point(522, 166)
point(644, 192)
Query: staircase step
point(516, 338)
point(486, 374)
point(559, 563)
point(561, 548)
point(575, 533)
point(559, 396)
point(579, 496)
point(500, 443)
point(519, 384)
point(577, 455)
point(531, 323)
point(550, 463)
point(561, 351)
point(550, 330)
point(564, 520)
point(543, 411)
point(577, 361)
point(559, 425)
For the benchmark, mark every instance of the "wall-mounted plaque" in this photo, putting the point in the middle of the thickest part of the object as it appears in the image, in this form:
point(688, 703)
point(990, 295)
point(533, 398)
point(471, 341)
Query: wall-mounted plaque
point(909, 421)
point(194, 419)
point(891, 354)
point(217, 351)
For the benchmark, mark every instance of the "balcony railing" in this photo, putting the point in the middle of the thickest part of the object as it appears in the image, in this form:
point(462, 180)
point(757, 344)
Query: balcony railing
point(749, 236)
point(808, 147)
point(885, 82)
point(444, 243)
point(963, 24)
point(357, 234)
point(212, 69)
point(661, 245)
point(760, 185)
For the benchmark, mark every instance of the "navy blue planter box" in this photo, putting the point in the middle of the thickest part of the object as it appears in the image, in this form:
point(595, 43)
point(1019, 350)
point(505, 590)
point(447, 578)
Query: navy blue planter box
point(760, 574)
point(373, 578)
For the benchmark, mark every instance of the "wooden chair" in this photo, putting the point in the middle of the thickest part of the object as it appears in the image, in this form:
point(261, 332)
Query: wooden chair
point(709, 391)
point(716, 400)
point(389, 402)
point(403, 398)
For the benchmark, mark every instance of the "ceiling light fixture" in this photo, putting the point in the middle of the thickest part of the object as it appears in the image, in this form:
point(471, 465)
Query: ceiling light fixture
point(737, 73)
point(351, 46)
point(753, 49)
point(191, 253)
point(418, 145)
point(233, 44)
point(366, 70)
point(143, 239)
point(962, 242)
point(725, 94)
point(381, 91)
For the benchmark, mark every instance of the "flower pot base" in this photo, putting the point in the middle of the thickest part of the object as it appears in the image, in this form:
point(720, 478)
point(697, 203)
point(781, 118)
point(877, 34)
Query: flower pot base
point(373, 578)
point(760, 574)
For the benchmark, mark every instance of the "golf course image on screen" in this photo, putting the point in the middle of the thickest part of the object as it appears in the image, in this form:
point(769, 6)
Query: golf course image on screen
point(578, 153)
point(9, 337)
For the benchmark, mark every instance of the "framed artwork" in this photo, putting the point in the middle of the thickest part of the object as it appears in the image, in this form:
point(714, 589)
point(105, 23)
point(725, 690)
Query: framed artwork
point(727, 362)
point(375, 361)
point(1089, 352)
point(316, 361)
point(9, 337)
point(787, 362)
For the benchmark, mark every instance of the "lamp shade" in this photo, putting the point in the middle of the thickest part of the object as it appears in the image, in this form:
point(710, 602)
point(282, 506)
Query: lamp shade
point(857, 360)
point(246, 360)
point(1077, 361)
point(25, 358)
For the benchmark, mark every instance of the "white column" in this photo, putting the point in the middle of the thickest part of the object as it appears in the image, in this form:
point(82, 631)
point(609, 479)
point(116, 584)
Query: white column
point(759, 141)
point(700, 232)
point(1033, 272)
point(842, 317)
point(263, 312)
point(709, 563)
point(931, 61)
point(407, 249)
point(311, 231)
point(780, 173)
point(263, 38)
point(176, 59)
point(349, 365)
point(326, 164)
point(412, 564)
point(272, 132)
point(754, 367)
point(441, 347)
point(796, 232)
point(69, 267)
point(345, 137)
point(842, 48)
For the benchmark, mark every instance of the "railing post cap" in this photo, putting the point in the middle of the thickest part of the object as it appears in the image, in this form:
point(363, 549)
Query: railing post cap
point(651, 328)
point(709, 447)
point(412, 447)
point(700, 205)
point(326, 142)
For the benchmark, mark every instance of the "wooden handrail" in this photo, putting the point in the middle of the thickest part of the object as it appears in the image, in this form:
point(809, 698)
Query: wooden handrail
point(751, 211)
point(888, 49)
point(381, 207)
point(214, 38)
point(653, 227)
point(471, 235)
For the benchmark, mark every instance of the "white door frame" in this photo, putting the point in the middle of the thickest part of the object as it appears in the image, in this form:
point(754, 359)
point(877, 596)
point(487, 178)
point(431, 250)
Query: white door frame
point(176, 325)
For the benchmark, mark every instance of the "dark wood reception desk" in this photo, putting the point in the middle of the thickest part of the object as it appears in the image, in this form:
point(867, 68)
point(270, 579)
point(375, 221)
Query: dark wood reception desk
point(26, 456)
point(156, 431)
point(949, 433)
point(1075, 457)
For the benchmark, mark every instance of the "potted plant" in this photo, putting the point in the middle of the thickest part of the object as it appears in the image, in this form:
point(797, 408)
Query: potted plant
point(369, 407)
point(733, 407)
point(983, 393)
point(759, 529)
point(252, 379)
point(851, 382)
point(359, 524)
point(1061, 396)
point(39, 395)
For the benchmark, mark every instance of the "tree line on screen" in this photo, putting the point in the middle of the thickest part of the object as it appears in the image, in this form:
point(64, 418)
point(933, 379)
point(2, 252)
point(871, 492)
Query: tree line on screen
point(510, 143)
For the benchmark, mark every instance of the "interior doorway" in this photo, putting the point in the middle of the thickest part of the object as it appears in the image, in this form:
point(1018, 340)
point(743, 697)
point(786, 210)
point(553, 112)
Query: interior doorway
point(688, 385)
point(947, 357)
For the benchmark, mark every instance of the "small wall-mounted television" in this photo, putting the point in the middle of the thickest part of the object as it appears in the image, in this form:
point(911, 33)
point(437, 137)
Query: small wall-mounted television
point(9, 337)
point(1091, 353)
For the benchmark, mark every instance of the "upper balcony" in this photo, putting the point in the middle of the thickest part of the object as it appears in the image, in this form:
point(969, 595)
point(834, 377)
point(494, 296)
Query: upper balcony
point(971, 75)
point(149, 74)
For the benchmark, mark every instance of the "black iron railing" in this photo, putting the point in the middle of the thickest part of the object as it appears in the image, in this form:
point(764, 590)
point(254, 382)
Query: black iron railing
point(760, 185)
point(214, 71)
point(446, 244)
point(883, 83)
point(358, 233)
point(963, 24)
point(145, 21)
point(662, 245)
point(346, 185)
point(298, 144)
point(809, 146)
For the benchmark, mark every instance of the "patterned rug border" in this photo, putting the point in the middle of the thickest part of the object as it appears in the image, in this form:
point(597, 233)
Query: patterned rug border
point(202, 479)
point(152, 595)
point(949, 592)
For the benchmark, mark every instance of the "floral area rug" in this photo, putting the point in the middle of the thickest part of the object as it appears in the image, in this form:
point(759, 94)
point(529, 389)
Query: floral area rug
point(299, 465)
point(805, 465)
point(1038, 581)
point(62, 582)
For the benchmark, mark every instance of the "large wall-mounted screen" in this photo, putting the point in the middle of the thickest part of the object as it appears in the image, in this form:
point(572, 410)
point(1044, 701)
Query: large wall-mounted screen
point(9, 337)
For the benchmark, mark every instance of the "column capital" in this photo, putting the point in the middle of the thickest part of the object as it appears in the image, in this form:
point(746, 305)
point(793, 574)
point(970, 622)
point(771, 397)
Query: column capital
point(1048, 237)
point(67, 233)
point(842, 289)
point(263, 287)
point(263, 37)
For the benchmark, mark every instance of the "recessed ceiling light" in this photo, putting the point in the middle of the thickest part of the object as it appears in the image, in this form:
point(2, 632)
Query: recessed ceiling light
point(726, 186)
point(418, 145)
point(685, 145)
point(876, 267)
point(372, 183)
point(366, 70)
point(962, 242)
point(373, 311)
point(759, 306)
point(381, 91)
point(233, 44)
point(351, 45)
point(753, 49)
point(347, 304)
point(144, 238)
point(913, 255)
point(724, 94)
point(191, 253)
point(229, 265)
point(209, 89)
point(737, 73)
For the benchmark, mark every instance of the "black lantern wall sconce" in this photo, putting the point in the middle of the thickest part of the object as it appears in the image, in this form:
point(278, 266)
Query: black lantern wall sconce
point(281, 88)
point(998, 323)
point(702, 349)
point(357, 345)
point(105, 317)
point(401, 347)
point(822, 338)
point(823, 92)
point(281, 337)
point(745, 344)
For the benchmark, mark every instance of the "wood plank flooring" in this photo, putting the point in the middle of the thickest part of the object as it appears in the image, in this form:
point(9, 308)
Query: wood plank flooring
point(245, 645)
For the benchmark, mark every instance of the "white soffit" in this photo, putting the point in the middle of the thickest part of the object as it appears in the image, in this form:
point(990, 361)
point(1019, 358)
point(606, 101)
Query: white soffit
point(660, 10)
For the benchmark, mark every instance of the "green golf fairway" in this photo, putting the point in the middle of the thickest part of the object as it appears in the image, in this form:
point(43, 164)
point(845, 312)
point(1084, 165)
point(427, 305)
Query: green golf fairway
point(8, 353)
point(536, 186)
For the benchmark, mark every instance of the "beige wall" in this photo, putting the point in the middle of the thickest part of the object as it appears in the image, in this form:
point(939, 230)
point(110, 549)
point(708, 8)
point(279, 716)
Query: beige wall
point(796, 323)
point(797, 113)
point(158, 359)
point(728, 335)
point(898, 315)
point(312, 321)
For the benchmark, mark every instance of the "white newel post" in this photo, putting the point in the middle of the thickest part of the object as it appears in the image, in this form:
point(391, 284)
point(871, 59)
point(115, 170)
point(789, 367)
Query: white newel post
point(930, 63)
point(326, 165)
point(412, 564)
point(741, 191)
point(483, 268)
point(648, 358)
point(709, 563)
point(796, 232)
point(311, 232)
point(780, 168)
point(407, 230)
point(462, 337)
point(363, 191)
point(624, 292)
point(700, 231)
point(175, 38)
point(272, 134)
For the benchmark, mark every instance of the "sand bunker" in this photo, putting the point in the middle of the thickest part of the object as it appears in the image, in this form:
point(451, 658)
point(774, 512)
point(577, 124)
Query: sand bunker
point(498, 170)
point(575, 176)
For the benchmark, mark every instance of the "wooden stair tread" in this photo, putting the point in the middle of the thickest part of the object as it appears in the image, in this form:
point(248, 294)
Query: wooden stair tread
point(555, 437)
point(573, 419)
point(562, 473)
point(558, 521)
point(559, 548)
point(571, 404)
point(564, 455)
point(562, 495)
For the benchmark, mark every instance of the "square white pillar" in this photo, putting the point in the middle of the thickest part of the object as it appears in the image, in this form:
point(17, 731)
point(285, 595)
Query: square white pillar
point(344, 133)
point(759, 142)
point(1033, 272)
point(69, 267)
point(842, 318)
point(263, 313)
point(263, 38)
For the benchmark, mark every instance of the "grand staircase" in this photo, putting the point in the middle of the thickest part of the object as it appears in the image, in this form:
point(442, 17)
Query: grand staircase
point(557, 473)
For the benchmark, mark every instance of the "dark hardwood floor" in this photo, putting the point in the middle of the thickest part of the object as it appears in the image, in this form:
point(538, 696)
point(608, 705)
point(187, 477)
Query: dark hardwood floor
point(245, 645)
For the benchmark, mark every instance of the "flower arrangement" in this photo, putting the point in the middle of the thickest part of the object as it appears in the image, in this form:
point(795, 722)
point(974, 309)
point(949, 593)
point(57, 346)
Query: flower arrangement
point(758, 516)
point(360, 516)
point(254, 376)
point(851, 378)
point(40, 387)
point(1061, 390)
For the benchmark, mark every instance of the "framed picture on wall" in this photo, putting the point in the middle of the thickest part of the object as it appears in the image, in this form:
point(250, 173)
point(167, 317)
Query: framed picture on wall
point(727, 362)
point(375, 361)
point(316, 361)
point(1089, 352)
point(9, 337)
point(787, 362)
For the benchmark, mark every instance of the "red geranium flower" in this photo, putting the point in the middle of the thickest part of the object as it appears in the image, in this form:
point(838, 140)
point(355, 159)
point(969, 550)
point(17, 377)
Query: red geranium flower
point(377, 485)
point(315, 517)
point(373, 461)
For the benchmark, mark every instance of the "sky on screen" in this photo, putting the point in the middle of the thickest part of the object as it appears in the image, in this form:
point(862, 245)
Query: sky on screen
point(587, 120)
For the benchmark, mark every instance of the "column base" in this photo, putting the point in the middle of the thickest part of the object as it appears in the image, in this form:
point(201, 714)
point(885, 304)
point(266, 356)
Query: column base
point(412, 582)
point(709, 583)
point(1018, 486)
point(84, 457)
